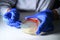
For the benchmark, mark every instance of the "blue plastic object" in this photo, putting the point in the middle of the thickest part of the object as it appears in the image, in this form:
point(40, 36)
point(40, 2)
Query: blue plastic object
point(12, 18)
point(46, 19)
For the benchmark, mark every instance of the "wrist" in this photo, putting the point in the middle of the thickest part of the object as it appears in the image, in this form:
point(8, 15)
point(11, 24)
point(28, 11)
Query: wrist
point(8, 9)
point(4, 9)
point(56, 16)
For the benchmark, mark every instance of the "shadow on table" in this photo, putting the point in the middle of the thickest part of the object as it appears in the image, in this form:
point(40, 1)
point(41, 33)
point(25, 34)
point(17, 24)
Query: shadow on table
point(56, 28)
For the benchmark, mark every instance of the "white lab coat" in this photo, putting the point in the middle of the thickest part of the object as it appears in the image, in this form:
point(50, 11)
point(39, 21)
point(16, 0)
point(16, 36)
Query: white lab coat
point(36, 5)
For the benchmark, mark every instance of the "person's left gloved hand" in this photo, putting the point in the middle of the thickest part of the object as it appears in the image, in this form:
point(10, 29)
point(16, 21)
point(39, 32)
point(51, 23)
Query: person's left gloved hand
point(12, 18)
point(46, 19)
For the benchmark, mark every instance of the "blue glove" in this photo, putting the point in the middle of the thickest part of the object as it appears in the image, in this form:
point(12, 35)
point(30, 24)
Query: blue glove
point(45, 18)
point(12, 18)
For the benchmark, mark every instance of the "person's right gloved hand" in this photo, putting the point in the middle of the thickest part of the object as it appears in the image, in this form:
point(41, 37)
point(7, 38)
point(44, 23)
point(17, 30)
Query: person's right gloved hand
point(12, 18)
point(45, 18)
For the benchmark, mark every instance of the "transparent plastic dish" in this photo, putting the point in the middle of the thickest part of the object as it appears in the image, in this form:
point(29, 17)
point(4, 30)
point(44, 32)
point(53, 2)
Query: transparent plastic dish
point(30, 26)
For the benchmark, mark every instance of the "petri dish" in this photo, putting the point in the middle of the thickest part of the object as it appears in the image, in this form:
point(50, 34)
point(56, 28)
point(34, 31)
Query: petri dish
point(30, 26)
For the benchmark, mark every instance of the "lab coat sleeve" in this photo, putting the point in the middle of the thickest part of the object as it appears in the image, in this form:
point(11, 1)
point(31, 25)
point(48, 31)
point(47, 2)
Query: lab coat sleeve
point(4, 4)
point(45, 4)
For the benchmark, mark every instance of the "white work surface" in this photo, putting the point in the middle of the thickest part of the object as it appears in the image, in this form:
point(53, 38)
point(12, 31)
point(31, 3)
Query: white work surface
point(12, 33)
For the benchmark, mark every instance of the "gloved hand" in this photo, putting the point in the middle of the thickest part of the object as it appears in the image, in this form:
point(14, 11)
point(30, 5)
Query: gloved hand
point(45, 18)
point(12, 18)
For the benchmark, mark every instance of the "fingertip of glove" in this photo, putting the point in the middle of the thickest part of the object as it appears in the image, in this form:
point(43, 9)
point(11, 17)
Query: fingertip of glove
point(18, 26)
point(38, 32)
point(27, 17)
point(15, 24)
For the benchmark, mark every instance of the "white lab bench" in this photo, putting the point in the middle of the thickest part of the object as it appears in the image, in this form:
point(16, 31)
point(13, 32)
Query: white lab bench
point(12, 33)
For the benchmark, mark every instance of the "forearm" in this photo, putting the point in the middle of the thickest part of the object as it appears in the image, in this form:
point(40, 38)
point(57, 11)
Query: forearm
point(58, 10)
point(56, 13)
